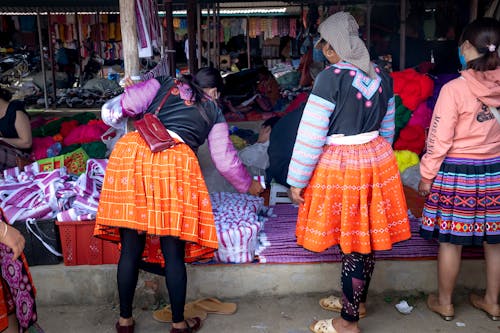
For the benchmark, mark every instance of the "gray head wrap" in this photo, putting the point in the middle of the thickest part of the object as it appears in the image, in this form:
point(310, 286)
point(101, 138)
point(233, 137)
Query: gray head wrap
point(341, 31)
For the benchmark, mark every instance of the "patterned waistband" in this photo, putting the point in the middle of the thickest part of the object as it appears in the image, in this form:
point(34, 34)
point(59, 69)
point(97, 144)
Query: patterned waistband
point(358, 139)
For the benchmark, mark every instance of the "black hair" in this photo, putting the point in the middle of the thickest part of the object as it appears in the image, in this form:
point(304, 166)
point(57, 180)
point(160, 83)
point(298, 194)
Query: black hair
point(483, 33)
point(5, 94)
point(206, 77)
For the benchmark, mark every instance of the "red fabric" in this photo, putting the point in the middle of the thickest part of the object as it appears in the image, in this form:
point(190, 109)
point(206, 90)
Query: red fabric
point(412, 87)
point(90, 132)
point(297, 101)
point(40, 146)
point(67, 127)
point(305, 64)
point(411, 138)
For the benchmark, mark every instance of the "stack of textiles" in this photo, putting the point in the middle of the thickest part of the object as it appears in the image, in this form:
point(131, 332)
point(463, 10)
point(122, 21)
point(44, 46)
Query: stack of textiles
point(238, 225)
point(32, 193)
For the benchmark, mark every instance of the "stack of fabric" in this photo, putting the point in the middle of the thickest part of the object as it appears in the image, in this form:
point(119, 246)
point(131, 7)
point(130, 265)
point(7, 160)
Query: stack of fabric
point(238, 225)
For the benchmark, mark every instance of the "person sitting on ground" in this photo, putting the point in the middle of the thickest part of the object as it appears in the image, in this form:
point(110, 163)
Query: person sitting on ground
point(266, 97)
point(282, 137)
point(15, 131)
point(255, 157)
point(17, 292)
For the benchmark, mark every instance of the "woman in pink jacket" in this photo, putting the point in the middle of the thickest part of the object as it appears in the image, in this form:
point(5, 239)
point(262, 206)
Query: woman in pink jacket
point(461, 169)
point(146, 195)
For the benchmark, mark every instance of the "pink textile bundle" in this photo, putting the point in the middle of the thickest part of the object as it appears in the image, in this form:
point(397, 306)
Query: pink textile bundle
point(137, 98)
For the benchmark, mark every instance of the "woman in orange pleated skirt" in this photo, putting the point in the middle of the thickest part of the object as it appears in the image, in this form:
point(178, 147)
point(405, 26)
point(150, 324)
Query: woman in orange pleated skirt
point(343, 172)
point(157, 204)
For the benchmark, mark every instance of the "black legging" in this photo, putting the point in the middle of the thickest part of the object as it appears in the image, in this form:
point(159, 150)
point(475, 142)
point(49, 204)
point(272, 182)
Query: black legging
point(128, 271)
point(357, 270)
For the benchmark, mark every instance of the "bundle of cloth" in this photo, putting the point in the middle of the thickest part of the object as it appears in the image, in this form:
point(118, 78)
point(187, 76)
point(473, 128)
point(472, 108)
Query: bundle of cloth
point(238, 225)
point(32, 193)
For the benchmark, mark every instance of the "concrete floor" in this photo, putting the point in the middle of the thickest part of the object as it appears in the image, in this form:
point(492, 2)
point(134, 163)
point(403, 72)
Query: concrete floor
point(290, 314)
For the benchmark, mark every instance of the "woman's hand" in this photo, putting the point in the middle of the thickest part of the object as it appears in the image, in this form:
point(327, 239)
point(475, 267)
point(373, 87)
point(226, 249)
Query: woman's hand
point(255, 188)
point(424, 188)
point(296, 195)
point(127, 82)
point(264, 134)
point(12, 239)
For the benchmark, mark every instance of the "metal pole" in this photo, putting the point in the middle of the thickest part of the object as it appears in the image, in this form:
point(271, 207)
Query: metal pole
point(42, 60)
point(52, 61)
point(78, 47)
point(198, 33)
point(402, 36)
point(473, 10)
point(98, 19)
point(368, 24)
point(170, 36)
point(209, 35)
point(191, 26)
point(248, 43)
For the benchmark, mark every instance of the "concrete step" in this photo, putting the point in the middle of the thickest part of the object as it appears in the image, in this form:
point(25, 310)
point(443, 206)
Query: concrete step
point(62, 285)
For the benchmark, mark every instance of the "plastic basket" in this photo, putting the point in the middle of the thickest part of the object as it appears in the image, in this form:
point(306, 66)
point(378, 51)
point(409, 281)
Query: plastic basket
point(80, 247)
point(35, 251)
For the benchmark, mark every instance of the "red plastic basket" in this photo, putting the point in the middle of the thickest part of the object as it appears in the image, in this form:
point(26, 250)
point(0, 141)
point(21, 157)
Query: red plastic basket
point(80, 247)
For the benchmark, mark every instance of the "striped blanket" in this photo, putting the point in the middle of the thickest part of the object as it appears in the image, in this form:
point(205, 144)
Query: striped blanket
point(279, 243)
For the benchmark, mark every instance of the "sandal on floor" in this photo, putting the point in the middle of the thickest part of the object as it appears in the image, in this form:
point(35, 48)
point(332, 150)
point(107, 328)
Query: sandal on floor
point(124, 329)
point(491, 310)
point(323, 326)
point(213, 305)
point(196, 325)
point(447, 312)
point(164, 315)
point(334, 303)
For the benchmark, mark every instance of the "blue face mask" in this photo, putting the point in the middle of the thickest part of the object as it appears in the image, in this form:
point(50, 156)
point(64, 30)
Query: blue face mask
point(461, 57)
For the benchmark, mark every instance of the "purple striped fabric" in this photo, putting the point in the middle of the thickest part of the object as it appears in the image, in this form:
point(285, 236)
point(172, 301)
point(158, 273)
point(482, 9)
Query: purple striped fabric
point(279, 231)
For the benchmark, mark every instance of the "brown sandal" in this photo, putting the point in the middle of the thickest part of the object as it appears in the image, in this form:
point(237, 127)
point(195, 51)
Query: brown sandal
point(124, 329)
point(447, 312)
point(189, 329)
point(491, 310)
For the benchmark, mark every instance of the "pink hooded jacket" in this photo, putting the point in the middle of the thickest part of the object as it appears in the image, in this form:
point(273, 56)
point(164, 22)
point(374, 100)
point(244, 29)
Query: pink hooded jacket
point(462, 124)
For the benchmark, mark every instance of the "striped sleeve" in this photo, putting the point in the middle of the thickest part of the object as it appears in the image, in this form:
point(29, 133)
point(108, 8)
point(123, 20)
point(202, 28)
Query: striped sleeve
point(311, 137)
point(388, 125)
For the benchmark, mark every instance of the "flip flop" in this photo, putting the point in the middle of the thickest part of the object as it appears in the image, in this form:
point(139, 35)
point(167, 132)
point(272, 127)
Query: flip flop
point(213, 305)
point(323, 326)
point(334, 303)
point(491, 310)
point(190, 311)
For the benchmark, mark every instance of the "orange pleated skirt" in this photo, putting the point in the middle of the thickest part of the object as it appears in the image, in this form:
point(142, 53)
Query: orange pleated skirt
point(160, 194)
point(355, 199)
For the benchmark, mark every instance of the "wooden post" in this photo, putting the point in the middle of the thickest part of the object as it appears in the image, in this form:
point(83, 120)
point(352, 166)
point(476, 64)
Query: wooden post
point(129, 37)
point(402, 36)
point(42, 60)
point(198, 33)
point(169, 35)
point(191, 27)
point(473, 10)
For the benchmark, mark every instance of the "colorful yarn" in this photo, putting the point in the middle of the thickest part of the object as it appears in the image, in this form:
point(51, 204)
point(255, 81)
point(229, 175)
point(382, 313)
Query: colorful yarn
point(411, 138)
point(413, 87)
point(405, 159)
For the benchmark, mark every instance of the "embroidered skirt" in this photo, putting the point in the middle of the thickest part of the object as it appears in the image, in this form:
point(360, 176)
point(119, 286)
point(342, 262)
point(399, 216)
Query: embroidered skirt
point(355, 199)
point(463, 206)
point(161, 194)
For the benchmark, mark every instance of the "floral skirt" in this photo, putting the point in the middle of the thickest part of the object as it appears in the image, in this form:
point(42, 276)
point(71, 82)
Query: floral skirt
point(160, 194)
point(355, 199)
point(463, 206)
